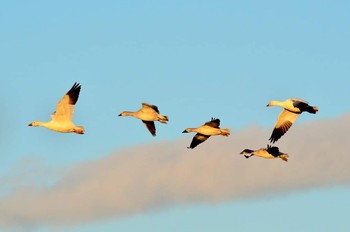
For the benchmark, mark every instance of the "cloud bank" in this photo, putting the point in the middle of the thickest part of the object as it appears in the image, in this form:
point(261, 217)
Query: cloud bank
point(162, 174)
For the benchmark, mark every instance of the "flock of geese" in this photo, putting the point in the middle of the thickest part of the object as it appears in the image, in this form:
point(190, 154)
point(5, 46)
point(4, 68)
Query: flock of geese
point(61, 121)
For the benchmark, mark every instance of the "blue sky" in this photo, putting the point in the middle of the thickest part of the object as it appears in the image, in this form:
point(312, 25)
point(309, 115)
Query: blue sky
point(194, 60)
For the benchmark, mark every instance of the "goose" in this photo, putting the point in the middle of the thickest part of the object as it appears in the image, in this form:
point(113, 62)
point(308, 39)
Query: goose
point(148, 114)
point(61, 119)
point(268, 153)
point(293, 107)
point(205, 131)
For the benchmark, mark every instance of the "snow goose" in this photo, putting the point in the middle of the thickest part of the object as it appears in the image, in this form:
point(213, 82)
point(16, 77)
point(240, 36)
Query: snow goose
point(293, 107)
point(148, 114)
point(205, 131)
point(268, 153)
point(61, 119)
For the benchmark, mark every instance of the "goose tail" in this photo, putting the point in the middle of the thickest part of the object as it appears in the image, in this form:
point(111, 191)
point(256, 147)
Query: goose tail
point(163, 119)
point(79, 130)
point(312, 109)
point(225, 132)
point(284, 157)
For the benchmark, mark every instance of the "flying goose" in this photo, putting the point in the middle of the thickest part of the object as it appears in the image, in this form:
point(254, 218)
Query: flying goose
point(61, 119)
point(293, 107)
point(148, 114)
point(268, 153)
point(205, 131)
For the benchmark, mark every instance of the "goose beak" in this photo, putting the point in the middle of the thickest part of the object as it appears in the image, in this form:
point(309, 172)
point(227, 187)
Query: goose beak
point(184, 131)
point(120, 114)
point(30, 124)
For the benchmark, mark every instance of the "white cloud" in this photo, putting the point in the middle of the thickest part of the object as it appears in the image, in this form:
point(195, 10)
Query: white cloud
point(160, 174)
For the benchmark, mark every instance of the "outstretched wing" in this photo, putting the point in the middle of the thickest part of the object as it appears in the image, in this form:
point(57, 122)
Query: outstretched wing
point(150, 126)
point(304, 106)
point(146, 106)
point(273, 150)
point(65, 107)
point(284, 122)
point(300, 104)
point(198, 139)
point(215, 123)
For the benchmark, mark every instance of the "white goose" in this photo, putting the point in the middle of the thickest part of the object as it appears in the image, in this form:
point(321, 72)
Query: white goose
point(148, 114)
point(293, 107)
point(61, 119)
point(205, 131)
point(268, 153)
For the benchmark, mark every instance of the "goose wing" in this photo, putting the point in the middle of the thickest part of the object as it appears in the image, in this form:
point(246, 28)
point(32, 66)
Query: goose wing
point(300, 104)
point(146, 106)
point(284, 122)
point(298, 100)
point(65, 107)
point(273, 150)
point(198, 139)
point(150, 126)
point(215, 122)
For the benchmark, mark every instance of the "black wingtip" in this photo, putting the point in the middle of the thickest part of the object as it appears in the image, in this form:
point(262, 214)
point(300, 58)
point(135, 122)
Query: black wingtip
point(276, 135)
point(73, 93)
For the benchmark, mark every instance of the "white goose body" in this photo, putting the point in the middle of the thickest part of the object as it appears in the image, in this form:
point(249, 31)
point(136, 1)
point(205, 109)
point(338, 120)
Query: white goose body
point(61, 119)
point(208, 130)
point(287, 104)
point(146, 115)
point(55, 126)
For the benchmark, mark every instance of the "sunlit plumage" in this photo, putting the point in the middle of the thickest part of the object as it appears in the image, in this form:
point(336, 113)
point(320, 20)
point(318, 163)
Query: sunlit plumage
point(61, 119)
point(208, 129)
point(293, 107)
point(268, 153)
point(148, 114)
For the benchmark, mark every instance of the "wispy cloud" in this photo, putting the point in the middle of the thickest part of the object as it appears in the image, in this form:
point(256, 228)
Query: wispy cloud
point(161, 174)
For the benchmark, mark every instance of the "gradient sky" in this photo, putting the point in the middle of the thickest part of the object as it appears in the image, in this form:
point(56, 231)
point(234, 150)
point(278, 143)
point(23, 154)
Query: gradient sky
point(194, 60)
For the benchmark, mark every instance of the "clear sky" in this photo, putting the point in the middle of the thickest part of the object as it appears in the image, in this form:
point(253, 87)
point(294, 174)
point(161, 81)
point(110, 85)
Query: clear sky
point(194, 60)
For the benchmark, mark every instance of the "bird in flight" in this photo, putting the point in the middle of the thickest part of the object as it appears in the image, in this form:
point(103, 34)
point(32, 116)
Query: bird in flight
point(269, 153)
point(292, 108)
point(208, 129)
point(148, 114)
point(61, 119)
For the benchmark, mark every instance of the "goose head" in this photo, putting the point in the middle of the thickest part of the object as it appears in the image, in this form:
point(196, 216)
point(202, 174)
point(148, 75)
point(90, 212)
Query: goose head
point(188, 130)
point(246, 151)
point(271, 103)
point(126, 113)
point(35, 123)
